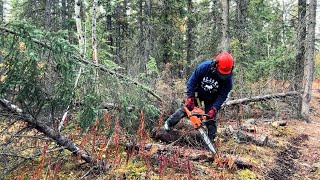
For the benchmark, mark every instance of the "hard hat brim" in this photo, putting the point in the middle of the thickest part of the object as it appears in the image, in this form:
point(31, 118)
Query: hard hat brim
point(224, 76)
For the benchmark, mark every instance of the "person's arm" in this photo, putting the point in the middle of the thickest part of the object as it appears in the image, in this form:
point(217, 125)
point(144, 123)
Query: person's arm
point(222, 94)
point(194, 79)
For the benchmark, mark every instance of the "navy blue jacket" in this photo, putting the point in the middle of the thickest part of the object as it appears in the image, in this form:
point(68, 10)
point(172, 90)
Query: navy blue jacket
point(210, 87)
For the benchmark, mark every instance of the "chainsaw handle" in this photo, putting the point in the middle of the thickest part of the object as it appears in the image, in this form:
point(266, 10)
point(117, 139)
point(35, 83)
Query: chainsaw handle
point(190, 113)
point(199, 115)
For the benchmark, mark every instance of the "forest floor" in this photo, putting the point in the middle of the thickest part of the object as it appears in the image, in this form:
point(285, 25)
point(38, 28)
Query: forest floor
point(294, 155)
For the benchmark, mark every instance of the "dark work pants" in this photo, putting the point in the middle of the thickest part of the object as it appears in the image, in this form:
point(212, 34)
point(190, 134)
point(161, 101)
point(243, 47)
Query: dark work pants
point(180, 113)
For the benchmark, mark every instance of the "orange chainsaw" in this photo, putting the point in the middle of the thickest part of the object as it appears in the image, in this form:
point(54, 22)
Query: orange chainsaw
point(197, 116)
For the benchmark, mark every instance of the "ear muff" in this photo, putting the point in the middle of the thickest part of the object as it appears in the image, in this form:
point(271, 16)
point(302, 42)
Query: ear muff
point(214, 64)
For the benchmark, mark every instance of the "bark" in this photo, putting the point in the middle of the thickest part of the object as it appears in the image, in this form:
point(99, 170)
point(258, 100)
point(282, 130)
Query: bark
point(142, 62)
point(224, 45)
point(64, 13)
point(309, 64)
point(118, 35)
point(125, 33)
point(215, 35)
point(148, 36)
point(185, 136)
point(80, 33)
point(192, 138)
point(165, 43)
point(190, 38)
point(261, 98)
point(70, 12)
point(171, 154)
point(301, 40)
point(94, 32)
point(242, 8)
point(1, 12)
point(47, 14)
point(109, 25)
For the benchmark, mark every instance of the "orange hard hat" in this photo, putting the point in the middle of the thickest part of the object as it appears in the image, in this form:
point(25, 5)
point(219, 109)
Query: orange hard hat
point(224, 63)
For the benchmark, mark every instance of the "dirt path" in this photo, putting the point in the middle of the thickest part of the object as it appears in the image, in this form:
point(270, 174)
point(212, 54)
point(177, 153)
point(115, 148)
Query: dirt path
point(300, 159)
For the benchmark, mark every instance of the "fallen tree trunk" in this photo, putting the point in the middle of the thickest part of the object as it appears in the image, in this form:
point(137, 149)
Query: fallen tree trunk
point(260, 98)
point(192, 138)
point(175, 154)
point(49, 132)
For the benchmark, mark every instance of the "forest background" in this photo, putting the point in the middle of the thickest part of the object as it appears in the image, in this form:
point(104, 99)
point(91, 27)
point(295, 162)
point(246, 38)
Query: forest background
point(109, 64)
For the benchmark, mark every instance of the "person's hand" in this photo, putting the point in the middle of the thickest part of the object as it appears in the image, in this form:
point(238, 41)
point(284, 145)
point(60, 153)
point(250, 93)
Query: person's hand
point(190, 103)
point(212, 113)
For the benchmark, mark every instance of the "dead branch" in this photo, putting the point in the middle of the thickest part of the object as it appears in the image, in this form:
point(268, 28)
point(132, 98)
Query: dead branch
point(30, 156)
point(51, 133)
point(261, 98)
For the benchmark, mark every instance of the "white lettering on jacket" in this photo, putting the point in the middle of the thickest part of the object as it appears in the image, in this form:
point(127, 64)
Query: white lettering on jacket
point(209, 84)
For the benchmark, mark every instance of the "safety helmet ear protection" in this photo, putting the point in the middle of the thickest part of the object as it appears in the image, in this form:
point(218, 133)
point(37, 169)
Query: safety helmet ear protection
point(223, 64)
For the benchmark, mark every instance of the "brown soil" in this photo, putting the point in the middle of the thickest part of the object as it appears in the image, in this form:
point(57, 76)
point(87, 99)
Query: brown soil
point(300, 158)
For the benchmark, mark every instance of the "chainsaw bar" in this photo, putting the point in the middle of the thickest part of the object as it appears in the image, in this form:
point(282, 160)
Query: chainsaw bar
point(207, 140)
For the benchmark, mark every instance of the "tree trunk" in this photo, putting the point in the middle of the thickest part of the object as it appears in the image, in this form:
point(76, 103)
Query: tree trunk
point(125, 33)
point(190, 38)
point(242, 8)
point(148, 30)
point(109, 25)
point(309, 65)
point(94, 32)
point(224, 46)
point(143, 61)
point(47, 14)
point(70, 12)
point(165, 43)
point(63, 13)
point(80, 33)
point(216, 27)
point(118, 34)
point(301, 40)
point(1, 12)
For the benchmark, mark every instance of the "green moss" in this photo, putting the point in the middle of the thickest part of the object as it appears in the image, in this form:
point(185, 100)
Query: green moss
point(246, 174)
point(132, 169)
point(282, 131)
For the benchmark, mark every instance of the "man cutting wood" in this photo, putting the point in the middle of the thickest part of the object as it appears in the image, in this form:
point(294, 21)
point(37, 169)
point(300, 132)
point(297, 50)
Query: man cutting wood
point(211, 82)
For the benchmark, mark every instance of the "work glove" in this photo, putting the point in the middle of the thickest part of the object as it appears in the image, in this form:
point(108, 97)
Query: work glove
point(212, 113)
point(190, 103)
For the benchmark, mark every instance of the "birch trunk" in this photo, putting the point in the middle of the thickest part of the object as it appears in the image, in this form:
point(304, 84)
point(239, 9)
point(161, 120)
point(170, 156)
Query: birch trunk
point(94, 32)
point(80, 33)
point(309, 65)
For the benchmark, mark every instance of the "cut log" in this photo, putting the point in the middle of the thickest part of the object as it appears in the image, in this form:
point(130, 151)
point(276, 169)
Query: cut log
point(185, 137)
point(172, 153)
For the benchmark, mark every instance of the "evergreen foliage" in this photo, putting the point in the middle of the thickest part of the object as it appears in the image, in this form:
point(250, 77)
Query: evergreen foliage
point(143, 39)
